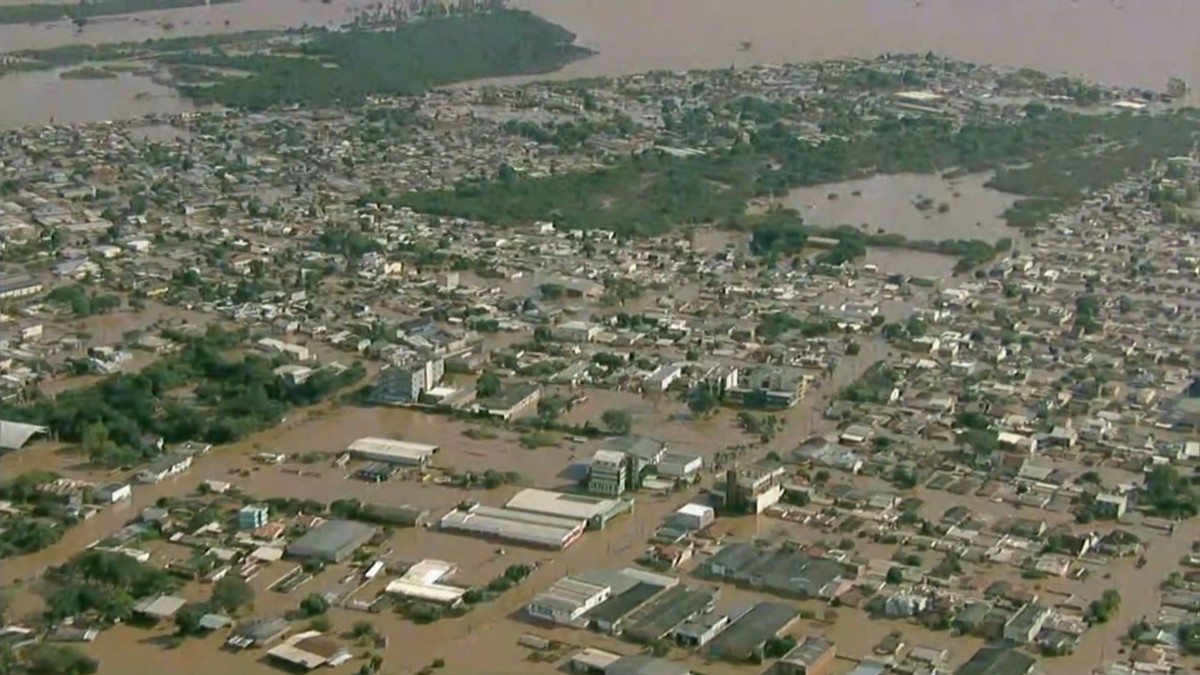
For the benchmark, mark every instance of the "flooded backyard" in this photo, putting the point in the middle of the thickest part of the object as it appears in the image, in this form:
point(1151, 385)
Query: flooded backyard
point(917, 206)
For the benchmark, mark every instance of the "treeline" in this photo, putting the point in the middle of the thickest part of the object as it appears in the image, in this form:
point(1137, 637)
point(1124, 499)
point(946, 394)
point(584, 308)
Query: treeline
point(81, 12)
point(343, 67)
point(783, 233)
point(1060, 155)
point(197, 394)
point(67, 55)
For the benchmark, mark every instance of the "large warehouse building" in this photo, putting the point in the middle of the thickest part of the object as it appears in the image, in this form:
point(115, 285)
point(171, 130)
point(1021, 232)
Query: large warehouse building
point(392, 452)
point(532, 529)
point(332, 541)
point(595, 512)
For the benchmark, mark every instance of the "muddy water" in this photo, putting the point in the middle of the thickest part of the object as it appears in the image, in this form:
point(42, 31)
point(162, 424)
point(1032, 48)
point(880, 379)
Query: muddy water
point(961, 208)
point(42, 97)
point(910, 263)
point(223, 18)
point(482, 642)
point(1119, 41)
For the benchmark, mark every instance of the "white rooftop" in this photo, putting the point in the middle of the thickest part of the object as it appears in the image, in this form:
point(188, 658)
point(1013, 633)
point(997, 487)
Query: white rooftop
point(560, 504)
point(387, 446)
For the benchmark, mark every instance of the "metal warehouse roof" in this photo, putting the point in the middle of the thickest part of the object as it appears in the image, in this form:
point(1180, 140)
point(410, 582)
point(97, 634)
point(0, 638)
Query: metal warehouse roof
point(14, 435)
point(439, 593)
point(561, 504)
point(530, 528)
point(763, 622)
point(330, 537)
point(386, 447)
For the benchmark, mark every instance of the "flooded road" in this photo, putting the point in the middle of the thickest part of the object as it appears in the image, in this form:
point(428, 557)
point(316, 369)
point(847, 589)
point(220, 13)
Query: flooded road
point(1127, 42)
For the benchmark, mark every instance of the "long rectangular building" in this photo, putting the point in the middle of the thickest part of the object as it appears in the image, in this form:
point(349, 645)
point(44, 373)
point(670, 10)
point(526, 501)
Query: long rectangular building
point(596, 512)
point(533, 529)
point(392, 451)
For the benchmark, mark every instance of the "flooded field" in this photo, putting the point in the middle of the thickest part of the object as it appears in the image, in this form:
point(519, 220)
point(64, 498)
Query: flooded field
point(910, 263)
point(916, 206)
point(1116, 41)
point(43, 97)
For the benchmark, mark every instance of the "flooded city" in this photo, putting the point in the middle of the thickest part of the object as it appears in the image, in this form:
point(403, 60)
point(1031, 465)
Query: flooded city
point(380, 350)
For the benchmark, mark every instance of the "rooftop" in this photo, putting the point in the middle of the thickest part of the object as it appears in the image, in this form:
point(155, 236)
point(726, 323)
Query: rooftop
point(749, 631)
point(561, 504)
point(160, 607)
point(997, 660)
point(531, 528)
point(641, 447)
point(808, 652)
point(331, 537)
point(388, 447)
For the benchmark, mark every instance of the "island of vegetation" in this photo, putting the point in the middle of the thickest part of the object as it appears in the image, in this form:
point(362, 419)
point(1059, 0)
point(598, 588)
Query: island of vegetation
point(347, 66)
point(322, 67)
point(87, 73)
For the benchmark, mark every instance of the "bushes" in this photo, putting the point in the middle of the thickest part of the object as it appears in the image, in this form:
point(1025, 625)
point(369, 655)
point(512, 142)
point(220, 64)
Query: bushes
point(49, 659)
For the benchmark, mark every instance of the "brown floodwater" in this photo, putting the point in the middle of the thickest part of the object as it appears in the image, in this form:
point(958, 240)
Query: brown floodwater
point(918, 206)
point(202, 20)
point(485, 640)
point(1118, 41)
point(42, 97)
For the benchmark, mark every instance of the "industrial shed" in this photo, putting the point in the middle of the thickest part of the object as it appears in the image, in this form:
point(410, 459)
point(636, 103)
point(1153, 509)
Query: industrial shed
point(669, 611)
point(392, 452)
point(595, 512)
point(533, 529)
point(745, 637)
point(422, 581)
point(332, 541)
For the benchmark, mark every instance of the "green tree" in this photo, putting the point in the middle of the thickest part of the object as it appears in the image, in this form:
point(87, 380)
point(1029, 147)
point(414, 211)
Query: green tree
point(702, 401)
point(187, 619)
point(314, 604)
point(617, 420)
point(489, 384)
point(50, 659)
point(232, 593)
